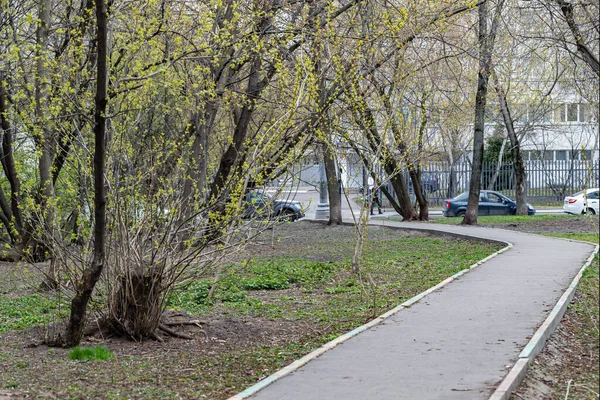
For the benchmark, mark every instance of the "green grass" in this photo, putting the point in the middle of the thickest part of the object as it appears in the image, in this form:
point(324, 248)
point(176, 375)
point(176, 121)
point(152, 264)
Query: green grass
point(30, 310)
point(326, 293)
point(500, 219)
point(91, 353)
point(586, 237)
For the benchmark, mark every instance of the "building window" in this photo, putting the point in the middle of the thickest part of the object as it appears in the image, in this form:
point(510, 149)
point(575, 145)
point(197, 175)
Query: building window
point(545, 155)
point(561, 155)
point(570, 112)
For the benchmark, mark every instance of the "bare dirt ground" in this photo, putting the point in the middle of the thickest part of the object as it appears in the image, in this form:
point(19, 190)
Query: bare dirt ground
point(580, 224)
point(567, 368)
point(222, 344)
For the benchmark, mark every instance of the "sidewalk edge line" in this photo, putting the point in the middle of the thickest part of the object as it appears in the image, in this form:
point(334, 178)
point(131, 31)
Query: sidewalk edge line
point(295, 365)
point(540, 337)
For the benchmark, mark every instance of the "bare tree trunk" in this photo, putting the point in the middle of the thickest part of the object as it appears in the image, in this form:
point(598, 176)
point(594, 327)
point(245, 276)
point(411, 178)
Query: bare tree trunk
point(92, 273)
point(199, 128)
point(498, 165)
point(232, 158)
point(520, 190)
point(403, 206)
point(415, 178)
point(364, 117)
point(415, 173)
point(13, 214)
point(335, 198)
point(44, 144)
point(486, 46)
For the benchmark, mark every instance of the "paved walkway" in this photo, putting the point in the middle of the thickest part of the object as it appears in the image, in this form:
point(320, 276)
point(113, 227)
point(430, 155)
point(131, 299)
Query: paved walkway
point(456, 343)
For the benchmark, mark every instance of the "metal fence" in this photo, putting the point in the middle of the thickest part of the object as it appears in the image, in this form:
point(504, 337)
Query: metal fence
point(547, 182)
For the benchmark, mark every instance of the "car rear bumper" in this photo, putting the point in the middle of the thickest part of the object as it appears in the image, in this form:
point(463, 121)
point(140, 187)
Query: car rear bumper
point(573, 208)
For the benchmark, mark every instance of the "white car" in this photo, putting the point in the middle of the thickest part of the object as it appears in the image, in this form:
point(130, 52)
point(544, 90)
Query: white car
point(584, 202)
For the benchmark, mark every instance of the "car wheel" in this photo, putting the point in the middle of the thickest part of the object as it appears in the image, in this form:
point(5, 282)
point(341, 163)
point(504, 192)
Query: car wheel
point(287, 215)
point(461, 213)
point(589, 211)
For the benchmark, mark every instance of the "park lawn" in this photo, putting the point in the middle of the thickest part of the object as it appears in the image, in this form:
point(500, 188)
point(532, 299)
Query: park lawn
point(289, 294)
point(584, 237)
point(503, 219)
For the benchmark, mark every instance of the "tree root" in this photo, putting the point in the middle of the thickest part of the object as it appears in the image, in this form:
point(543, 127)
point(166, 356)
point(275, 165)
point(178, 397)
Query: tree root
point(171, 332)
point(195, 322)
point(155, 336)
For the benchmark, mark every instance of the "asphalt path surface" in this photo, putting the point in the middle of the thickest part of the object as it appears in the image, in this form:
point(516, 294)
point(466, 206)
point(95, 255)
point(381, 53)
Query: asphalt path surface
point(458, 342)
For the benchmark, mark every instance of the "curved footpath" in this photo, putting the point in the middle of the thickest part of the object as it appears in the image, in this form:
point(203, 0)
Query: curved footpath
point(458, 342)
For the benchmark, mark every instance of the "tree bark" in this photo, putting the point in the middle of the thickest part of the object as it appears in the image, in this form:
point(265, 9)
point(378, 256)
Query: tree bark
point(486, 46)
point(231, 159)
point(519, 165)
point(335, 198)
point(92, 273)
point(415, 171)
point(366, 120)
point(8, 164)
point(498, 165)
point(44, 143)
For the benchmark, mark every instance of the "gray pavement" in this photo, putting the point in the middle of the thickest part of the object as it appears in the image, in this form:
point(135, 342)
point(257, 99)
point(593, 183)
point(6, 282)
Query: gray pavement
point(456, 343)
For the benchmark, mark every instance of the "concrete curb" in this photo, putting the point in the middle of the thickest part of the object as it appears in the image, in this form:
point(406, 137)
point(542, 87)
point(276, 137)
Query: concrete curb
point(541, 336)
point(341, 339)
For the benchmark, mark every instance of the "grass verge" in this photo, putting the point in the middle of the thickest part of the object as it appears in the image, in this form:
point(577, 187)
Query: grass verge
point(329, 294)
point(500, 219)
point(585, 237)
point(90, 353)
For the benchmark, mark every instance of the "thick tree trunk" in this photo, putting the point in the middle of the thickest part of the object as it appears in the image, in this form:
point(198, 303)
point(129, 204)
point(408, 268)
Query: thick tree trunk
point(92, 273)
point(421, 200)
point(231, 159)
point(415, 172)
point(486, 46)
point(333, 186)
point(519, 165)
point(404, 205)
point(196, 180)
point(366, 121)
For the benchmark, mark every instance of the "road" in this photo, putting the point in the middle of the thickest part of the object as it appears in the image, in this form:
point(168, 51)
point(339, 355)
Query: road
point(309, 197)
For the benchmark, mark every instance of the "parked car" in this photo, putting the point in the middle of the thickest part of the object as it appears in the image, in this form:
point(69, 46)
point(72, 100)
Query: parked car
point(584, 202)
point(490, 203)
point(262, 205)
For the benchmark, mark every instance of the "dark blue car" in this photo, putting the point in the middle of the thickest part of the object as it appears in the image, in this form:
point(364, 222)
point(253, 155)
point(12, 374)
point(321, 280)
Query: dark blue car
point(490, 203)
